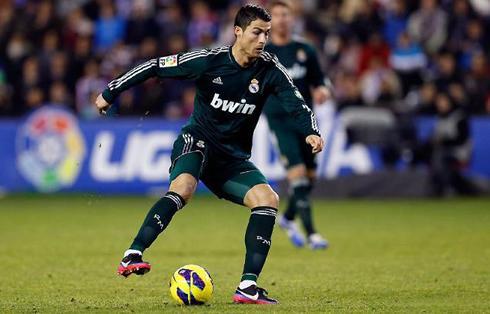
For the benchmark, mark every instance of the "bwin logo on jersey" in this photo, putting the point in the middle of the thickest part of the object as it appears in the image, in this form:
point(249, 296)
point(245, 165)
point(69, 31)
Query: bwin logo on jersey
point(231, 106)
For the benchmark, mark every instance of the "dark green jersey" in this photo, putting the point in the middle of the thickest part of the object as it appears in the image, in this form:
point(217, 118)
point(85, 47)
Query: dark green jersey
point(301, 61)
point(229, 98)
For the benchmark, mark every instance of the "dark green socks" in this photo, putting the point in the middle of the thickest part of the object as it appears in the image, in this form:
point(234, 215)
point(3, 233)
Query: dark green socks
point(299, 203)
point(157, 220)
point(258, 240)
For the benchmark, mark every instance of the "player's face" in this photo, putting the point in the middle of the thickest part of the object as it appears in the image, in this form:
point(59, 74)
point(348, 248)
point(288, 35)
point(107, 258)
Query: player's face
point(254, 38)
point(282, 19)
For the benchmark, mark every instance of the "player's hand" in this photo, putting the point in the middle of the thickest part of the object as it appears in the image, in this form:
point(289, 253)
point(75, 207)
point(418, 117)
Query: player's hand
point(102, 105)
point(321, 94)
point(316, 142)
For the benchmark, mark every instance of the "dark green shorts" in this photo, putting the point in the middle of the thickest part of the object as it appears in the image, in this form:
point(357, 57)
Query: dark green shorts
point(292, 146)
point(227, 177)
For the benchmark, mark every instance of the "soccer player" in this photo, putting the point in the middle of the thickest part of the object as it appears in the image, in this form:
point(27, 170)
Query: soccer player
point(214, 146)
point(301, 61)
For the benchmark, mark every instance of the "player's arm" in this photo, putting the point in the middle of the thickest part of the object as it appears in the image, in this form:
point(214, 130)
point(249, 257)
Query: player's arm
point(320, 90)
point(182, 66)
point(293, 102)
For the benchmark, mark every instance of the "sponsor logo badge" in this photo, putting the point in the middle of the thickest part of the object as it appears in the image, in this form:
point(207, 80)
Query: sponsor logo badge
point(254, 86)
point(50, 149)
point(168, 61)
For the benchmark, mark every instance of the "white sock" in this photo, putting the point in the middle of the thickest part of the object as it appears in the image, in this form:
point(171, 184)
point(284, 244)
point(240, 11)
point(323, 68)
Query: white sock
point(246, 283)
point(132, 252)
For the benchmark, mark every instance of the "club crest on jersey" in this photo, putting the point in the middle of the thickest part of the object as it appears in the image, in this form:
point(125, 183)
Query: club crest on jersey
point(168, 61)
point(254, 86)
point(301, 55)
point(200, 144)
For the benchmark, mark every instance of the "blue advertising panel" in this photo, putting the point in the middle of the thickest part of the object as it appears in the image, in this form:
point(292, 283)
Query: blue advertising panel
point(51, 150)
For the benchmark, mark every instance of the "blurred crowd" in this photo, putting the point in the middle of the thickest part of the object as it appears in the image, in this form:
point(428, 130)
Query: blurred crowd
point(397, 54)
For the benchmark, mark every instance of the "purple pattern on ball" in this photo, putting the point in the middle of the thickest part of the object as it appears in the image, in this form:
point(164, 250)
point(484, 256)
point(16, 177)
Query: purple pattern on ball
point(197, 281)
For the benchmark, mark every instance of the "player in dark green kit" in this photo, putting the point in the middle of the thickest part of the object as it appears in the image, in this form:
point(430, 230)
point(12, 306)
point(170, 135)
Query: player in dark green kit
point(301, 61)
point(233, 84)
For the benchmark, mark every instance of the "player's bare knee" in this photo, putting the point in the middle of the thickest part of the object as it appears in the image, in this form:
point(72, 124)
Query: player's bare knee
point(311, 174)
point(261, 195)
point(184, 185)
point(271, 199)
point(297, 172)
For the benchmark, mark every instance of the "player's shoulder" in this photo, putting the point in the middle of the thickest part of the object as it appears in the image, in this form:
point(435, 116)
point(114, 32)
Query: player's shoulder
point(203, 54)
point(271, 61)
point(268, 57)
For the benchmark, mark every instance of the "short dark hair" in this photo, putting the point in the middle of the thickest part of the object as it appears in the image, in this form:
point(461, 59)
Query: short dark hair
point(249, 13)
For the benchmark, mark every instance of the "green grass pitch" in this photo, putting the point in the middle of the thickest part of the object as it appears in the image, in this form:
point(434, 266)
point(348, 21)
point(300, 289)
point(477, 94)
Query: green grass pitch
point(60, 254)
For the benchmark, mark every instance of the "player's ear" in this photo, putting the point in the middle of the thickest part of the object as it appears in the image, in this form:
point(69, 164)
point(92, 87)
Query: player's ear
point(238, 31)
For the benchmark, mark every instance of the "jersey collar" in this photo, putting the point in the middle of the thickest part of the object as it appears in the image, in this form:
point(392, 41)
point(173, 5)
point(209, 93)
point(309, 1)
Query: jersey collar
point(233, 61)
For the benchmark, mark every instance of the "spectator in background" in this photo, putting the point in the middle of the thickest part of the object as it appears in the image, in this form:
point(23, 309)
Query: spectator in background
point(59, 95)
point(396, 21)
point(347, 91)
point(408, 60)
point(447, 72)
point(109, 28)
point(44, 21)
point(374, 48)
point(17, 49)
point(451, 149)
point(461, 14)
point(379, 84)
point(83, 28)
point(50, 46)
point(5, 94)
point(487, 104)
point(27, 81)
point(226, 34)
point(87, 89)
point(140, 25)
point(349, 9)
point(183, 107)
point(77, 26)
point(174, 88)
point(477, 84)
point(172, 22)
point(149, 96)
point(34, 98)
point(120, 57)
point(366, 21)
point(349, 55)
point(422, 101)
point(481, 6)
point(7, 24)
point(474, 42)
point(81, 54)
point(427, 26)
point(176, 44)
point(202, 30)
point(59, 70)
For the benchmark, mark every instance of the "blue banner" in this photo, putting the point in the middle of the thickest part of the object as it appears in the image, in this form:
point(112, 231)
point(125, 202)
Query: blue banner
point(51, 150)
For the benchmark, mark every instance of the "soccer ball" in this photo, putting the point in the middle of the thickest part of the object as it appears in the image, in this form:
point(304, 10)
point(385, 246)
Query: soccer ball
point(191, 285)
